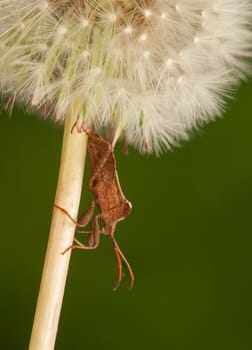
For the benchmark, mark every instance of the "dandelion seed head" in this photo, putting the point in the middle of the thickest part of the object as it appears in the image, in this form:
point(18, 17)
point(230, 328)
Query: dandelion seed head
point(150, 69)
point(147, 13)
point(169, 61)
point(128, 29)
point(84, 22)
point(146, 54)
point(62, 30)
point(143, 37)
point(85, 54)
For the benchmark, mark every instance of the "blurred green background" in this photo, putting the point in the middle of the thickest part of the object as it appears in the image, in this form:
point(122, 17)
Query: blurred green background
point(189, 240)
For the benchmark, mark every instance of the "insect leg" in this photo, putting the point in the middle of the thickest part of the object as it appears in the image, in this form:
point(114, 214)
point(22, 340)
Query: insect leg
point(80, 245)
point(87, 216)
point(84, 219)
point(82, 222)
point(94, 238)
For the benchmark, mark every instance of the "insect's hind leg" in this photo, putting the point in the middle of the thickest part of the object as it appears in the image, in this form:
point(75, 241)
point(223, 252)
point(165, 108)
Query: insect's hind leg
point(80, 245)
point(94, 238)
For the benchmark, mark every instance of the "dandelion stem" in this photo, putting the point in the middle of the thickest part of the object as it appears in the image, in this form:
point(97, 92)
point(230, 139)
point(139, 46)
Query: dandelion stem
point(61, 236)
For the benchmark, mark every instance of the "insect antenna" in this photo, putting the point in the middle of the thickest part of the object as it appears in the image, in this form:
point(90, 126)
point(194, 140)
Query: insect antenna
point(119, 256)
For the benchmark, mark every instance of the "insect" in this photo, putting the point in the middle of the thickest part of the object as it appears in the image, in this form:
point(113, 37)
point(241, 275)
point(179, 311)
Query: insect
point(109, 198)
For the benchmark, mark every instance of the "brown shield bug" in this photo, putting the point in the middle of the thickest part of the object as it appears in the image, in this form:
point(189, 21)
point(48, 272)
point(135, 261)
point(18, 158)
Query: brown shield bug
point(109, 199)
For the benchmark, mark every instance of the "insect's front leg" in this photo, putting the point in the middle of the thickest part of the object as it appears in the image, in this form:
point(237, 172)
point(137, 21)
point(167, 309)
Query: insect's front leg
point(84, 219)
point(82, 222)
point(87, 216)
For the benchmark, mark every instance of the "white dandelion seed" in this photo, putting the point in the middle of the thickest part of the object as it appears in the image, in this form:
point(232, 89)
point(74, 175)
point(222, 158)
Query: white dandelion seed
point(152, 69)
